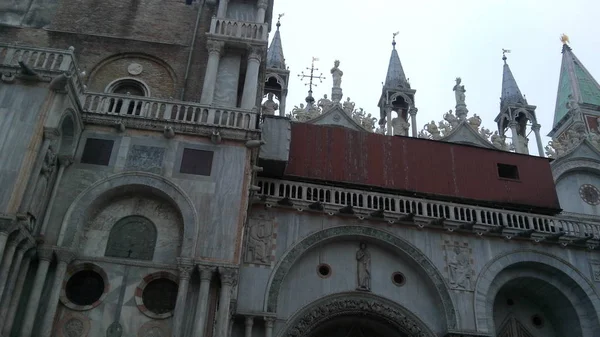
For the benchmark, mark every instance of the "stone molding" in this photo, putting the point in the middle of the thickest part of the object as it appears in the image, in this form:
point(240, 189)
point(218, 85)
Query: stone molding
point(65, 160)
point(486, 284)
point(72, 270)
point(45, 253)
point(287, 261)
point(168, 190)
point(64, 255)
point(17, 239)
point(51, 133)
point(214, 46)
point(559, 168)
point(139, 291)
point(359, 303)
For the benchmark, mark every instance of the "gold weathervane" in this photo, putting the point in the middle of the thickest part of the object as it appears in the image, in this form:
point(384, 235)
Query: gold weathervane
point(565, 39)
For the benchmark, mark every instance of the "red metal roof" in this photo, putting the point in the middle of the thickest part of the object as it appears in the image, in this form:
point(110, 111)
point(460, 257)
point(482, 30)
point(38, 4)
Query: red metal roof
point(340, 155)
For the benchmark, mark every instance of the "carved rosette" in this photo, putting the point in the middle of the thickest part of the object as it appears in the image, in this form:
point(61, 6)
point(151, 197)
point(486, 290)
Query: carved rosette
point(215, 47)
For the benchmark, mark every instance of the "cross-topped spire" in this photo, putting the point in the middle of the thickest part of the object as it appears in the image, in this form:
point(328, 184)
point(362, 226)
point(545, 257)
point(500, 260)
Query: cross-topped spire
point(394, 39)
point(311, 77)
point(504, 52)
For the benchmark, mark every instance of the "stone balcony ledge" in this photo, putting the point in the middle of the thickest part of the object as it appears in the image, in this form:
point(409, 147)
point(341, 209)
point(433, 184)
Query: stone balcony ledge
point(240, 31)
point(423, 213)
point(156, 114)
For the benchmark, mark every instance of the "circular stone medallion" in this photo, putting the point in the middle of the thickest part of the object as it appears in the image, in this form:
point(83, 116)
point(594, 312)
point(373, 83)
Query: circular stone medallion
point(590, 194)
point(135, 69)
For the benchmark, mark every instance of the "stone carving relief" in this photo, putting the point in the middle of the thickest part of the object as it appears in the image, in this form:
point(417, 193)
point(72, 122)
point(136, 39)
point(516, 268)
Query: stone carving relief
point(260, 241)
point(460, 266)
point(145, 158)
point(324, 103)
point(341, 306)
point(595, 270)
point(73, 324)
point(348, 106)
point(74, 328)
point(135, 69)
point(363, 259)
point(569, 140)
point(400, 126)
point(269, 106)
point(153, 329)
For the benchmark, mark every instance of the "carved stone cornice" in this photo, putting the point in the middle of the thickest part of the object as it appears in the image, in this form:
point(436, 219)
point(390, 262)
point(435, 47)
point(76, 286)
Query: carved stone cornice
point(206, 272)
point(45, 253)
point(64, 255)
point(214, 46)
point(228, 276)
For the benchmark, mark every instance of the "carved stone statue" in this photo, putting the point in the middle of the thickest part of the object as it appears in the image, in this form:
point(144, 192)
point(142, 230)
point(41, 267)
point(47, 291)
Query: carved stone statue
point(348, 106)
point(524, 142)
point(485, 133)
point(324, 103)
point(336, 74)
point(259, 241)
point(269, 106)
point(445, 128)
point(369, 122)
point(451, 119)
point(460, 270)
point(400, 126)
point(433, 130)
point(574, 109)
point(499, 141)
point(459, 92)
point(474, 122)
point(363, 259)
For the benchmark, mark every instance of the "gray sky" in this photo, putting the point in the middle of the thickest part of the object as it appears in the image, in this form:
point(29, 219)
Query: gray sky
point(438, 41)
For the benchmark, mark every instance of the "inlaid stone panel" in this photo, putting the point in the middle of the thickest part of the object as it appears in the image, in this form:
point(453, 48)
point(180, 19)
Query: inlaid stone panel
point(145, 158)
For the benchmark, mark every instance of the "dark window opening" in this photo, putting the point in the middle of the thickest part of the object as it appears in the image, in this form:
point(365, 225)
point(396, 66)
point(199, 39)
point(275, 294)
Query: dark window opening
point(508, 171)
point(85, 287)
point(196, 162)
point(97, 151)
point(160, 295)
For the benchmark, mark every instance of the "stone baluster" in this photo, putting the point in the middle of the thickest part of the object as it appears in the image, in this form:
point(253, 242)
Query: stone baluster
point(538, 138)
point(63, 163)
point(185, 270)
point(215, 49)
point(7, 226)
point(262, 9)
point(228, 280)
point(7, 313)
point(7, 261)
point(45, 256)
point(206, 274)
point(222, 9)
point(251, 80)
point(269, 322)
point(64, 257)
point(248, 323)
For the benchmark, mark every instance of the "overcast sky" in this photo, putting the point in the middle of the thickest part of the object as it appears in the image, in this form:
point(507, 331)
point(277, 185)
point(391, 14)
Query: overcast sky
point(438, 41)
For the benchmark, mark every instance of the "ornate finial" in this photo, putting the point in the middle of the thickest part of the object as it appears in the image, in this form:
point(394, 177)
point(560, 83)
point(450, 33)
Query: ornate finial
point(311, 78)
point(504, 52)
point(394, 39)
point(565, 39)
point(279, 20)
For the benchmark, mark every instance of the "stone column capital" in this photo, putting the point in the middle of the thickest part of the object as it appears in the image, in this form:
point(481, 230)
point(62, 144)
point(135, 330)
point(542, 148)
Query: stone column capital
point(228, 276)
point(17, 239)
point(65, 255)
point(206, 272)
point(215, 47)
point(255, 53)
point(45, 253)
point(269, 321)
point(413, 110)
point(185, 267)
point(249, 321)
point(65, 160)
point(536, 127)
point(262, 4)
point(513, 124)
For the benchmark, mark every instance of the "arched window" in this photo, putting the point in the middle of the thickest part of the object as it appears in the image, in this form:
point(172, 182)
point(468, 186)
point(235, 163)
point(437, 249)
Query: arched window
point(128, 86)
point(132, 237)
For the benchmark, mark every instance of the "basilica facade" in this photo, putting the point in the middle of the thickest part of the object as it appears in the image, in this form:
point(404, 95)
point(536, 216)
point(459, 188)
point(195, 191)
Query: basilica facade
point(154, 181)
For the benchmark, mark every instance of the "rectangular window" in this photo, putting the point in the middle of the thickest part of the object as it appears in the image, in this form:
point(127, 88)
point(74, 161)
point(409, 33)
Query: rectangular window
point(508, 171)
point(196, 162)
point(97, 151)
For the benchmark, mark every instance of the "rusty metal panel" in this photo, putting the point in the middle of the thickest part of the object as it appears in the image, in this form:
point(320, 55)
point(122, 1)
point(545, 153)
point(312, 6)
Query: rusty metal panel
point(422, 166)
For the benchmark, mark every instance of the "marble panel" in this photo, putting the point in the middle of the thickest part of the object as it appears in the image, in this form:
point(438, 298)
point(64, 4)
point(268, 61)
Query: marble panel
point(145, 158)
point(228, 78)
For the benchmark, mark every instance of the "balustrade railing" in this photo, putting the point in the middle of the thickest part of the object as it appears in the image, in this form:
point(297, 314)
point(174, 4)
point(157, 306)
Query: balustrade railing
point(239, 29)
point(400, 205)
point(42, 59)
point(167, 110)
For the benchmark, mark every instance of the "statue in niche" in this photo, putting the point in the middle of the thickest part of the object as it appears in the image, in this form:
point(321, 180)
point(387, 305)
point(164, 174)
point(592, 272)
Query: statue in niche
point(574, 109)
point(259, 241)
point(324, 103)
point(269, 106)
point(348, 106)
point(400, 126)
point(43, 184)
point(363, 259)
point(336, 74)
point(459, 269)
point(459, 92)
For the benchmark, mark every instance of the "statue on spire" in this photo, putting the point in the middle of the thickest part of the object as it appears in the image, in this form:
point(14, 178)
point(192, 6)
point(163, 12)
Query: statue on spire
point(459, 94)
point(336, 75)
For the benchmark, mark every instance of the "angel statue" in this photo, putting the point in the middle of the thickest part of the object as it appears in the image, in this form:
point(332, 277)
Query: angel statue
point(459, 92)
point(485, 133)
point(433, 130)
point(336, 74)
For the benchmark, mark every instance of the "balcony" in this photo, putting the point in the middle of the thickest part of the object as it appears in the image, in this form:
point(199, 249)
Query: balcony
point(238, 30)
point(152, 113)
point(429, 213)
point(43, 60)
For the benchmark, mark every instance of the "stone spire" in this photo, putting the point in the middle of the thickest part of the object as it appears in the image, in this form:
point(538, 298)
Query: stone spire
point(275, 59)
point(575, 81)
point(395, 77)
point(511, 94)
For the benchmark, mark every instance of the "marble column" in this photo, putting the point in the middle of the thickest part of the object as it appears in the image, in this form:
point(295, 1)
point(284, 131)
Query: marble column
point(228, 280)
point(63, 163)
point(282, 103)
point(248, 323)
point(222, 10)
point(262, 9)
point(413, 121)
point(206, 274)
point(515, 136)
point(7, 314)
point(7, 261)
point(536, 129)
point(185, 270)
point(269, 322)
point(9, 292)
point(215, 49)
point(251, 80)
point(64, 257)
point(44, 256)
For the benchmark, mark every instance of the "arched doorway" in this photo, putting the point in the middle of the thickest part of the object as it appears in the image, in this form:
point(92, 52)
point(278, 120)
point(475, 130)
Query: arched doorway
point(356, 326)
